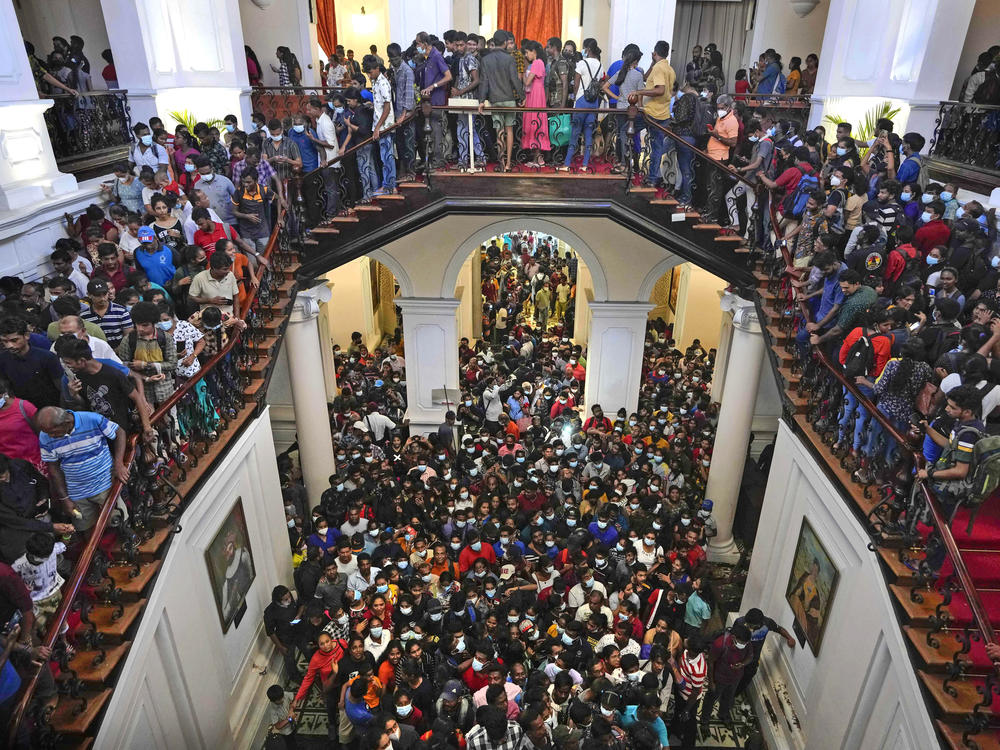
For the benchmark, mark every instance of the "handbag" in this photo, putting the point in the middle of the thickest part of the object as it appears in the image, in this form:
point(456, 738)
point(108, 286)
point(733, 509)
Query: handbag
point(559, 130)
point(926, 399)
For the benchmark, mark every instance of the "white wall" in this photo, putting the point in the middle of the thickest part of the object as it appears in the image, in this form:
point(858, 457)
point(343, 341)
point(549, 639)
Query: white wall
point(185, 683)
point(860, 691)
point(40, 20)
point(699, 314)
point(982, 35)
point(350, 308)
point(282, 23)
point(27, 236)
point(775, 25)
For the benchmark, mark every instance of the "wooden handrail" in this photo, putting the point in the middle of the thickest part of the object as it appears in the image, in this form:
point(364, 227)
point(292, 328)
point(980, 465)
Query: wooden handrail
point(367, 141)
point(715, 163)
point(83, 563)
point(968, 586)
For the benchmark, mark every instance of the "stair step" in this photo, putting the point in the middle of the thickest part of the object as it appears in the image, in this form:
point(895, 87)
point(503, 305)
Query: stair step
point(784, 358)
point(266, 344)
point(70, 717)
point(285, 287)
point(761, 277)
point(742, 249)
point(310, 242)
point(643, 189)
point(257, 368)
point(251, 390)
point(345, 219)
point(938, 659)
point(792, 378)
point(410, 185)
point(663, 202)
point(955, 706)
point(897, 567)
point(101, 617)
point(96, 676)
point(122, 576)
point(918, 613)
point(952, 733)
point(777, 334)
point(984, 565)
point(735, 238)
point(707, 227)
point(369, 208)
point(391, 197)
point(324, 229)
point(150, 548)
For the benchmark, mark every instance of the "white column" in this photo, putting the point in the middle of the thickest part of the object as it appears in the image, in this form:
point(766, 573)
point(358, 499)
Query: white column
point(614, 355)
point(312, 425)
point(408, 18)
point(644, 22)
point(430, 348)
point(28, 171)
point(169, 63)
point(910, 57)
point(746, 356)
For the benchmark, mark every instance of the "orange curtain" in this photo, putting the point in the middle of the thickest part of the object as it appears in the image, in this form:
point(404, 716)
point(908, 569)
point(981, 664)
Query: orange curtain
point(326, 26)
point(530, 19)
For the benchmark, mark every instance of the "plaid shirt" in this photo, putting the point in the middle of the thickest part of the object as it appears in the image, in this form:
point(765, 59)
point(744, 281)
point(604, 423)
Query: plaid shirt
point(405, 97)
point(477, 738)
point(265, 172)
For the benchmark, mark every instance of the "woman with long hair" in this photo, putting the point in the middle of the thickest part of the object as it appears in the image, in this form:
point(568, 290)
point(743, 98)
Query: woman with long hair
point(253, 66)
point(628, 80)
point(794, 78)
point(535, 125)
point(588, 69)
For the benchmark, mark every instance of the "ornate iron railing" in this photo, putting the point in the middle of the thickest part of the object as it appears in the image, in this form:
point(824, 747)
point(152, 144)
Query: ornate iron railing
point(902, 513)
point(89, 131)
point(968, 134)
point(285, 101)
point(186, 424)
point(778, 106)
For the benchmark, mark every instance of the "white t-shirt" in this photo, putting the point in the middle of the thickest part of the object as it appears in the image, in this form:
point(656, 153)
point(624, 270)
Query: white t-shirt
point(153, 156)
point(646, 557)
point(327, 133)
point(100, 348)
point(588, 68)
point(991, 399)
point(42, 580)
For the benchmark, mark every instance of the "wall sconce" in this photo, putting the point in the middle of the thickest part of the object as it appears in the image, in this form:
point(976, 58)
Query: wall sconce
point(363, 23)
point(803, 8)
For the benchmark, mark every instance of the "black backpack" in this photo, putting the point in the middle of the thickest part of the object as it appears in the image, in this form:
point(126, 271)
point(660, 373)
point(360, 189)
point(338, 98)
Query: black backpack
point(910, 274)
point(593, 92)
point(703, 117)
point(860, 358)
point(946, 338)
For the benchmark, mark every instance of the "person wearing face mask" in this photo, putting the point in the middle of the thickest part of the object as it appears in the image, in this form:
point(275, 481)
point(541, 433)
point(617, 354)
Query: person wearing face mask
point(146, 153)
point(722, 138)
point(299, 136)
point(933, 231)
point(280, 617)
point(728, 658)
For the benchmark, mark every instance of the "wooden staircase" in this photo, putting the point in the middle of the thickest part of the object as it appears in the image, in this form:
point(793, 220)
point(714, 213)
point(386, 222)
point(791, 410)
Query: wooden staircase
point(950, 668)
point(101, 637)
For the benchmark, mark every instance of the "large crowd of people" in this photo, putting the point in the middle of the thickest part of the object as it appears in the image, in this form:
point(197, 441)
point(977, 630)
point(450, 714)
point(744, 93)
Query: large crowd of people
point(530, 575)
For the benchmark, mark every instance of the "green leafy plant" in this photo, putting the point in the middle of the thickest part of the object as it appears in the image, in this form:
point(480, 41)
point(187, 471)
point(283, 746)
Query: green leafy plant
point(188, 120)
point(864, 131)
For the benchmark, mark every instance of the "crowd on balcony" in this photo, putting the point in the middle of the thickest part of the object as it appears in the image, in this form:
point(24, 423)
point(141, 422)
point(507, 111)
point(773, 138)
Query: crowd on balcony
point(529, 575)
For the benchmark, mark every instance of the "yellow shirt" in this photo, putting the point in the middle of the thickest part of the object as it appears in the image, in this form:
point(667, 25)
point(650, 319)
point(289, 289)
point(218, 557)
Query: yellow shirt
point(658, 107)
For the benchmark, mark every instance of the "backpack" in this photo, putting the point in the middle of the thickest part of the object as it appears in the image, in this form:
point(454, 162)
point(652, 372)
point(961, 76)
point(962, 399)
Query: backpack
point(780, 84)
point(984, 472)
point(161, 341)
point(910, 275)
point(795, 203)
point(988, 91)
point(703, 117)
point(593, 91)
point(947, 338)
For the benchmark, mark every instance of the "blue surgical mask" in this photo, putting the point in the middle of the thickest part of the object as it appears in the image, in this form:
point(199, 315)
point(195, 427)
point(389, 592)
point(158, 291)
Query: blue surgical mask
point(338, 110)
point(299, 128)
point(230, 127)
point(382, 588)
point(932, 261)
point(960, 212)
point(165, 325)
point(995, 261)
point(946, 195)
point(905, 196)
point(147, 140)
point(253, 127)
point(926, 198)
point(841, 151)
point(753, 139)
point(925, 216)
point(276, 138)
point(189, 168)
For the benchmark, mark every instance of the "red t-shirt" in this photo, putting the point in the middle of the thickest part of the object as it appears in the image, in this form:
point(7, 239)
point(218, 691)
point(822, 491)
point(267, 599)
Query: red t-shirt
point(930, 235)
point(17, 439)
point(207, 241)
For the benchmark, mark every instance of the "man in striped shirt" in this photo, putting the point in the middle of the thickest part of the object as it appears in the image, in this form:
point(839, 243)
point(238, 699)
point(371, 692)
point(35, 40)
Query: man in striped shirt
point(690, 673)
point(75, 447)
point(113, 318)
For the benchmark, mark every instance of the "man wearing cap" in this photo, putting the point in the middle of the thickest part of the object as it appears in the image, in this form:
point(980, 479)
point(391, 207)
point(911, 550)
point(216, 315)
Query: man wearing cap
point(456, 706)
point(112, 318)
point(155, 258)
point(759, 627)
point(216, 286)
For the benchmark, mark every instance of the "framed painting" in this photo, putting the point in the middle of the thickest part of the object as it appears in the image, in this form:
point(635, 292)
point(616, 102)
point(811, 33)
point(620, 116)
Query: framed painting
point(230, 565)
point(812, 584)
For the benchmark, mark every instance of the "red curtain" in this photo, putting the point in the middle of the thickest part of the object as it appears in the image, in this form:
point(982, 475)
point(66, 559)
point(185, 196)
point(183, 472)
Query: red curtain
point(530, 19)
point(326, 26)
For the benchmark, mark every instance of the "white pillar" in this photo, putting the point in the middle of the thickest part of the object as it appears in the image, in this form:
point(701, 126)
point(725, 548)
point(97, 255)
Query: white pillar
point(644, 22)
point(169, 63)
point(746, 356)
point(430, 348)
point(28, 171)
point(408, 18)
point(909, 57)
point(614, 355)
point(312, 424)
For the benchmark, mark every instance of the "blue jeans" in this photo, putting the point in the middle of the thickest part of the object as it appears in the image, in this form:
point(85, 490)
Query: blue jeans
point(406, 145)
point(659, 145)
point(685, 162)
point(462, 136)
point(581, 122)
point(388, 162)
point(875, 432)
point(366, 170)
point(853, 407)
